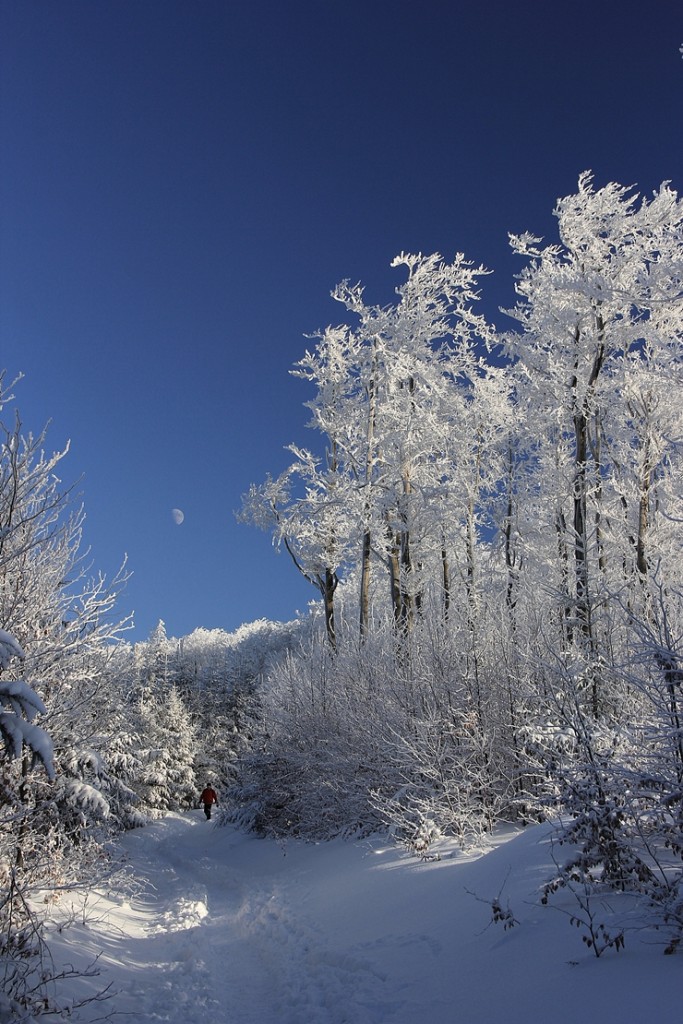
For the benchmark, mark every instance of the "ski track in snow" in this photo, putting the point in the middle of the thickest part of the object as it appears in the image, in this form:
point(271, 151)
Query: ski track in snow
point(219, 943)
point(230, 929)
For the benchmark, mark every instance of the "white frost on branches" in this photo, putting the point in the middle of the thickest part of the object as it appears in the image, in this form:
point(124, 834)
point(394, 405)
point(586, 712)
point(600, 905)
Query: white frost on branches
point(83, 797)
point(9, 648)
point(22, 705)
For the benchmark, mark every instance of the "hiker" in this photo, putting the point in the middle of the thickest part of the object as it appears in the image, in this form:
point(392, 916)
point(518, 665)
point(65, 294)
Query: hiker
point(207, 798)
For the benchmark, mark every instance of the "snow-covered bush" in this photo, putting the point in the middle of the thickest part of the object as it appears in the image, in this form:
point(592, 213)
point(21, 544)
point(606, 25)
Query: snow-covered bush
point(316, 755)
point(621, 791)
point(371, 737)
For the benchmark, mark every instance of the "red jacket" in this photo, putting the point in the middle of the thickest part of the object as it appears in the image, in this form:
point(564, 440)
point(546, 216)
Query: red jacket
point(209, 796)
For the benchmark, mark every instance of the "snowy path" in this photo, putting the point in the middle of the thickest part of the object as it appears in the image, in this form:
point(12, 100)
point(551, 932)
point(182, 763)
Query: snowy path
point(226, 936)
point(230, 929)
point(200, 953)
point(221, 933)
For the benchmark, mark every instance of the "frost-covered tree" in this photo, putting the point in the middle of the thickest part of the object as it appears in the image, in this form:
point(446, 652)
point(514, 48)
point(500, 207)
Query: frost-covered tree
point(384, 398)
point(154, 659)
point(305, 509)
point(602, 318)
point(412, 357)
point(524, 513)
point(169, 747)
point(61, 619)
point(55, 622)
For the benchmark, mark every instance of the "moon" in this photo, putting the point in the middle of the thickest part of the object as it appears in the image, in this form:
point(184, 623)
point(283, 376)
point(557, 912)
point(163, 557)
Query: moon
point(177, 516)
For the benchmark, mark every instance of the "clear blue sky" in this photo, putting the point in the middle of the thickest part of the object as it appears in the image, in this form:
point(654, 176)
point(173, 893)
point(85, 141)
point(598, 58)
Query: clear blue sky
point(182, 182)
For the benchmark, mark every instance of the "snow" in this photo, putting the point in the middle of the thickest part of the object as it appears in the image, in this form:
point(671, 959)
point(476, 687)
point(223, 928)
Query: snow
point(229, 928)
point(80, 794)
point(9, 648)
point(21, 697)
point(17, 733)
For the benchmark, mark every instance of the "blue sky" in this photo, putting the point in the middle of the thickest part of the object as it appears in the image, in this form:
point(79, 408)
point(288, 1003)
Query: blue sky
point(182, 184)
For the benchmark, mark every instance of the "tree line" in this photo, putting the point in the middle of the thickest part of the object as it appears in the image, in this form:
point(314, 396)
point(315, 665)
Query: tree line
point(492, 522)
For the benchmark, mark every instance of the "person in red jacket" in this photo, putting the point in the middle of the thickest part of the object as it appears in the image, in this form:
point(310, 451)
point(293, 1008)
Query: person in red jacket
point(208, 798)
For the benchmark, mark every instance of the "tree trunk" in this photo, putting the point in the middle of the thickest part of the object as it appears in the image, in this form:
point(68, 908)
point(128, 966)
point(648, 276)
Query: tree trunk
point(582, 413)
point(329, 585)
point(644, 513)
point(563, 555)
point(394, 565)
point(580, 537)
point(366, 549)
point(365, 583)
point(446, 581)
point(510, 553)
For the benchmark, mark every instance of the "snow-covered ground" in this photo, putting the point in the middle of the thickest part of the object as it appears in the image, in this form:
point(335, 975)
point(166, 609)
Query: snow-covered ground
point(231, 929)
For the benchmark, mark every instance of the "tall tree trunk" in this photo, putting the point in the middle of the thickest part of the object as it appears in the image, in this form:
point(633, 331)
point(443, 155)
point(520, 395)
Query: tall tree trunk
point(394, 565)
point(366, 548)
point(594, 440)
point(510, 553)
point(638, 538)
point(445, 580)
point(644, 513)
point(405, 580)
point(328, 587)
point(566, 623)
point(406, 572)
point(471, 547)
point(366, 551)
point(580, 535)
point(582, 413)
